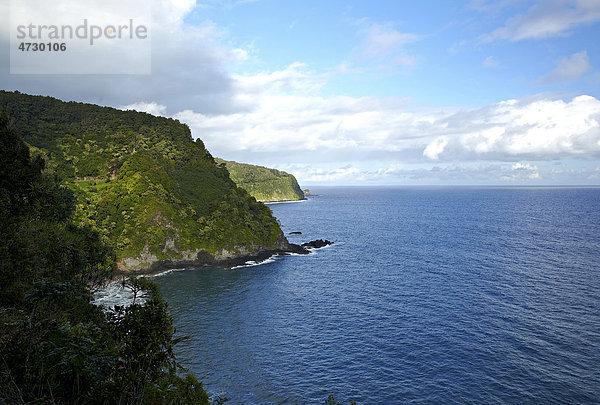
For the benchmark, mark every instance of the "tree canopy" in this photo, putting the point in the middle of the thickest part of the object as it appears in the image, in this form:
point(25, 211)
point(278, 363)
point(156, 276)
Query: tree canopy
point(56, 346)
point(141, 181)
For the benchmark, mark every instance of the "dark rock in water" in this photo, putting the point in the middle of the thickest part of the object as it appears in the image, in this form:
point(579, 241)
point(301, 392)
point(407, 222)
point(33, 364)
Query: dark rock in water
point(219, 400)
point(317, 244)
point(295, 233)
point(297, 249)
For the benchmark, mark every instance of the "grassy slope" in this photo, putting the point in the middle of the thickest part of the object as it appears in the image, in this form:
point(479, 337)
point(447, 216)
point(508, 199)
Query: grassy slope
point(263, 183)
point(140, 179)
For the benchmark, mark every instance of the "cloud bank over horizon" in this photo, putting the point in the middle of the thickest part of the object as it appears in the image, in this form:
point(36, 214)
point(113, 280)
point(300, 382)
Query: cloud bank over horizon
point(359, 117)
point(373, 140)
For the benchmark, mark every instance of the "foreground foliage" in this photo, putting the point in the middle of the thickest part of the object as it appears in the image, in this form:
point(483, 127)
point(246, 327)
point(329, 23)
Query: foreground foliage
point(55, 345)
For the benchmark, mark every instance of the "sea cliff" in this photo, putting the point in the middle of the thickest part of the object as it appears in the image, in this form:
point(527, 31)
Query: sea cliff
point(263, 183)
point(154, 193)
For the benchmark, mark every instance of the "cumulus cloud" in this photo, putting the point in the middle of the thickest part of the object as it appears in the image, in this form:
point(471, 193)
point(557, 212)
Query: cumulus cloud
point(284, 116)
point(281, 117)
point(435, 148)
point(286, 123)
point(548, 19)
point(569, 68)
point(543, 129)
point(201, 66)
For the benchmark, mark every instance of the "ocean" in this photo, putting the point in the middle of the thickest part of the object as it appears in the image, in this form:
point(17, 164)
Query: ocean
point(428, 295)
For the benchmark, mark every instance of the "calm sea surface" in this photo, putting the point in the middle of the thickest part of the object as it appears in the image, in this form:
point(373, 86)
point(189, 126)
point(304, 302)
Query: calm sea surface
point(441, 295)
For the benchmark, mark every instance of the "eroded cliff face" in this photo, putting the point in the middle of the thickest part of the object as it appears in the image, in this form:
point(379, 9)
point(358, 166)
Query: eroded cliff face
point(148, 262)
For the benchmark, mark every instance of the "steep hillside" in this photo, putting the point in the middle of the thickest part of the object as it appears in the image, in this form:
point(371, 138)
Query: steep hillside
point(56, 346)
point(151, 190)
point(263, 183)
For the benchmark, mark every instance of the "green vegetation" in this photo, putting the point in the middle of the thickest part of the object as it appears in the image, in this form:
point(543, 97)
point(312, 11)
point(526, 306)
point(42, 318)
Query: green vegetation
point(263, 183)
point(142, 182)
point(55, 345)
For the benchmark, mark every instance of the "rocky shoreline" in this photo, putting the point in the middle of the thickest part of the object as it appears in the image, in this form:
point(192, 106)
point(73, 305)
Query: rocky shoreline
point(227, 261)
point(282, 201)
point(205, 259)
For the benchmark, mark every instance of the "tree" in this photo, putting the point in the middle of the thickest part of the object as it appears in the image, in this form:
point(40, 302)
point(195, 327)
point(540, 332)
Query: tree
point(55, 345)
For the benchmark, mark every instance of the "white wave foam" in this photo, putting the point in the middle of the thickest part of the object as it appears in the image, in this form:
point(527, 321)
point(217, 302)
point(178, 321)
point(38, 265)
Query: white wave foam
point(283, 202)
point(252, 263)
point(113, 294)
point(312, 249)
point(162, 273)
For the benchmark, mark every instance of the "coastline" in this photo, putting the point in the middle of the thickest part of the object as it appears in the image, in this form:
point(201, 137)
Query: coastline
point(268, 202)
point(162, 266)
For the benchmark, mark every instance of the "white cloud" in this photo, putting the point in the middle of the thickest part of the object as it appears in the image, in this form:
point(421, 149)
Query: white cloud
point(347, 174)
point(521, 171)
point(490, 62)
point(301, 120)
point(569, 68)
point(544, 129)
point(382, 46)
point(150, 108)
point(482, 173)
point(382, 40)
point(435, 148)
point(280, 117)
point(295, 78)
point(284, 115)
point(189, 66)
point(170, 14)
point(548, 18)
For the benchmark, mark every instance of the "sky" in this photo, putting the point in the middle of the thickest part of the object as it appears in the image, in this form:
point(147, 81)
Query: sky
point(369, 92)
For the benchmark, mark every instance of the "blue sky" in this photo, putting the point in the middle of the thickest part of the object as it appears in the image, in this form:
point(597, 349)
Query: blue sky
point(378, 92)
point(445, 55)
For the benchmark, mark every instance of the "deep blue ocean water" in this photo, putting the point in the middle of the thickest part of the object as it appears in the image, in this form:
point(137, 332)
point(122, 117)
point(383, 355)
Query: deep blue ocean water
point(429, 295)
